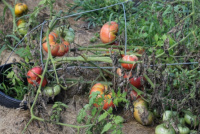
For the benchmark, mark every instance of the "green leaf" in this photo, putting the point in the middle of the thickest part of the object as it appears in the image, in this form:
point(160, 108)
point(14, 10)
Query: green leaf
point(103, 116)
point(3, 48)
point(42, 2)
point(94, 110)
point(118, 120)
point(106, 127)
point(10, 74)
point(13, 36)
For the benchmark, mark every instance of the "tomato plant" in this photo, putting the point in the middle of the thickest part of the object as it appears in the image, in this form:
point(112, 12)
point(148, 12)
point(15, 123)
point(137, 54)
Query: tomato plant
point(162, 129)
point(20, 9)
point(52, 91)
point(129, 66)
point(57, 44)
point(102, 89)
point(108, 32)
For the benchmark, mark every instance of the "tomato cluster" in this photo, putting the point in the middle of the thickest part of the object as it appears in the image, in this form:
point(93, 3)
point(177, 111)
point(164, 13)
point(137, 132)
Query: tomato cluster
point(33, 76)
point(107, 102)
point(57, 44)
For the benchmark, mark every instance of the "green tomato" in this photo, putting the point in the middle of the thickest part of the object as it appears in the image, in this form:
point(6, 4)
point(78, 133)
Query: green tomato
point(167, 115)
point(52, 91)
point(193, 132)
point(67, 33)
point(182, 121)
point(22, 28)
point(183, 129)
point(191, 119)
point(162, 129)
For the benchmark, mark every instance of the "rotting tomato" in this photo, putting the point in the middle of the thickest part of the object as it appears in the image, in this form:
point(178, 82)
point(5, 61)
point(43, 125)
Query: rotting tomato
point(108, 32)
point(126, 75)
point(129, 66)
point(141, 112)
point(107, 102)
point(134, 95)
point(20, 9)
point(52, 91)
point(162, 129)
point(57, 44)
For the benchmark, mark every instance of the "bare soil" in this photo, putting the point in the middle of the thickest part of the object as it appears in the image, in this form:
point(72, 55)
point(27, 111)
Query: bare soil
point(13, 121)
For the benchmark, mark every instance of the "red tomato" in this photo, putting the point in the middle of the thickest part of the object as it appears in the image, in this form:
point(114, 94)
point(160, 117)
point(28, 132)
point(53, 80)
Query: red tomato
point(136, 81)
point(32, 74)
point(108, 32)
point(129, 58)
point(44, 83)
point(102, 89)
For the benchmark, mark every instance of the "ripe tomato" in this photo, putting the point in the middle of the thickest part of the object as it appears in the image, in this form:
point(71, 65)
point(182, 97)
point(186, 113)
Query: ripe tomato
point(126, 75)
point(32, 75)
point(129, 58)
point(134, 95)
point(52, 91)
point(107, 102)
point(136, 81)
point(44, 83)
point(141, 112)
point(108, 32)
point(162, 129)
point(20, 9)
point(58, 45)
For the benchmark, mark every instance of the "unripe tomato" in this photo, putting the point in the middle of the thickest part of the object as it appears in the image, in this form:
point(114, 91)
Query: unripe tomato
point(140, 50)
point(58, 45)
point(191, 119)
point(167, 115)
point(52, 91)
point(22, 28)
point(20, 9)
point(20, 21)
point(32, 75)
point(129, 58)
point(162, 129)
point(108, 32)
point(141, 112)
point(183, 129)
point(107, 102)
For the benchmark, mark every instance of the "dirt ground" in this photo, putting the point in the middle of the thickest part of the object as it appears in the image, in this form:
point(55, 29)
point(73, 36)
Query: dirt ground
point(12, 121)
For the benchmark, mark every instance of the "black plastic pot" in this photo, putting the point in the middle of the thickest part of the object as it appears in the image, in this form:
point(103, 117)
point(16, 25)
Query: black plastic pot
point(6, 100)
